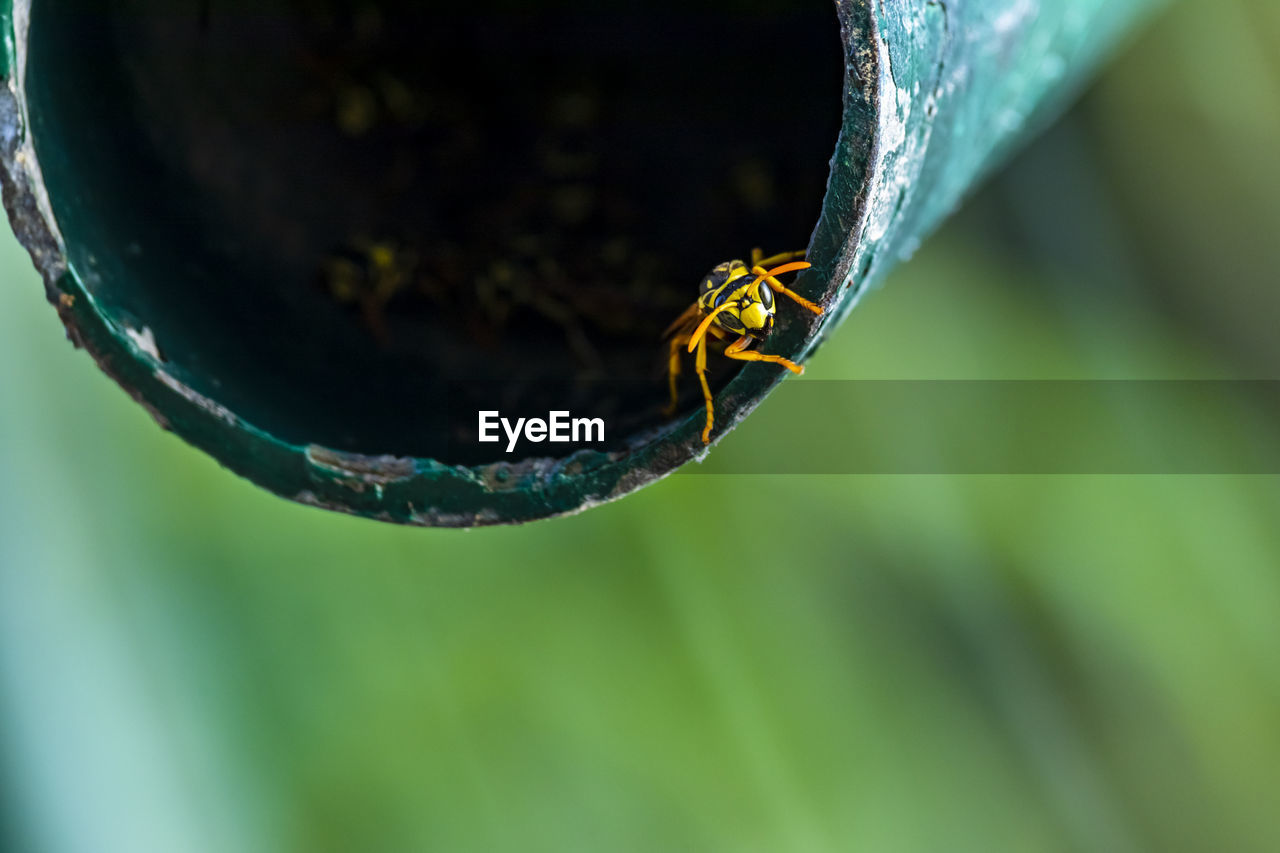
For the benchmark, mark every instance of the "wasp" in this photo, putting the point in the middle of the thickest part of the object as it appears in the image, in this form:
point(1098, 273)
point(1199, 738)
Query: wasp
point(733, 299)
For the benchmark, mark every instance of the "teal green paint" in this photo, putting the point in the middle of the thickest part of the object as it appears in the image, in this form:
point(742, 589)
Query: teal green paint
point(962, 83)
point(935, 94)
point(6, 37)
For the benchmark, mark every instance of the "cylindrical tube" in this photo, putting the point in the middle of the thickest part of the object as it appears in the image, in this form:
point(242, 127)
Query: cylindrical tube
point(304, 268)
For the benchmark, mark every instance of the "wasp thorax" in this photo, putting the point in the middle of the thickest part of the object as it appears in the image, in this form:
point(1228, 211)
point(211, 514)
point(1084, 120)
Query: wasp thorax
point(720, 275)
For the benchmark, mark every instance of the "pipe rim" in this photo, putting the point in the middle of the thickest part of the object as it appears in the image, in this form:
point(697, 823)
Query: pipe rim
point(419, 491)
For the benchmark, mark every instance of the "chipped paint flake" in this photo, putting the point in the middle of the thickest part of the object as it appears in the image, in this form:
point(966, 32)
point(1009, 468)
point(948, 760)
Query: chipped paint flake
point(219, 411)
point(358, 471)
point(145, 341)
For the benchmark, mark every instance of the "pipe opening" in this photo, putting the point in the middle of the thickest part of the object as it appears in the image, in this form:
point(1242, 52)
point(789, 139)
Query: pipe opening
point(353, 224)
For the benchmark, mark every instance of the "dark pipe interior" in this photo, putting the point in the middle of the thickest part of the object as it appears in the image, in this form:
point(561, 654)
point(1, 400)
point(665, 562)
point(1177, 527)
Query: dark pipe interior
point(354, 223)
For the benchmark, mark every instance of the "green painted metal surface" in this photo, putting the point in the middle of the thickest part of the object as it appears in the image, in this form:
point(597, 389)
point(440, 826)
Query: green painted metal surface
point(934, 95)
point(959, 85)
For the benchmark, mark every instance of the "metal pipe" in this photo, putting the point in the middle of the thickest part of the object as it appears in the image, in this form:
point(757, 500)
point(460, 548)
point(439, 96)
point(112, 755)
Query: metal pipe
point(932, 96)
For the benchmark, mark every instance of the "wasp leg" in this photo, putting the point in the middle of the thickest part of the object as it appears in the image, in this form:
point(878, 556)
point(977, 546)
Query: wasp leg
point(673, 372)
point(680, 331)
point(738, 350)
point(758, 259)
point(700, 364)
point(687, 320)
point(779, 288)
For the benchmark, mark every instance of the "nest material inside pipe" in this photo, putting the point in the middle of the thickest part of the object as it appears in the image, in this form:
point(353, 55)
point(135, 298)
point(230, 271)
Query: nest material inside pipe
point(316, 238)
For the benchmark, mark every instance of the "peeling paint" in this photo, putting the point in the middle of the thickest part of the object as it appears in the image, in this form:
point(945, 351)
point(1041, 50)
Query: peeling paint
point(145, 342)
point(358, 471)
point(219, 411)
point(24, 191)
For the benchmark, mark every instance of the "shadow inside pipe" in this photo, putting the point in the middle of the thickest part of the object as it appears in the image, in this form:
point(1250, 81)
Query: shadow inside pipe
point(327, 213)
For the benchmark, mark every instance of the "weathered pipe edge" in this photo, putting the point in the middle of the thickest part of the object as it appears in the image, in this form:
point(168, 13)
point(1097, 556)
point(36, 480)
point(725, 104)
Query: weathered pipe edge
point(934, 94)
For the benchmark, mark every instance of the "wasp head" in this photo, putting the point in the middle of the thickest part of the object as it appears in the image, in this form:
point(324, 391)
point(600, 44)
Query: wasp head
point(756, 312)
point(742, 303)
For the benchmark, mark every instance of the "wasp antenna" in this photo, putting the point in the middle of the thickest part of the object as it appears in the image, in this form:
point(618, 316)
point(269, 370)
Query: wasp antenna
point(704, 325)
point(778, 270)
point(773, 259)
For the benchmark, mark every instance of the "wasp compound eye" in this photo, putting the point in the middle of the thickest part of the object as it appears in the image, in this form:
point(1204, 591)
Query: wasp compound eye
point(320, 240)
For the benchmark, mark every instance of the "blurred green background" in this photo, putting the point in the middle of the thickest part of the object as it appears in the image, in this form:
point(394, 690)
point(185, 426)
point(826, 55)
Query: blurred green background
point(717, 663)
